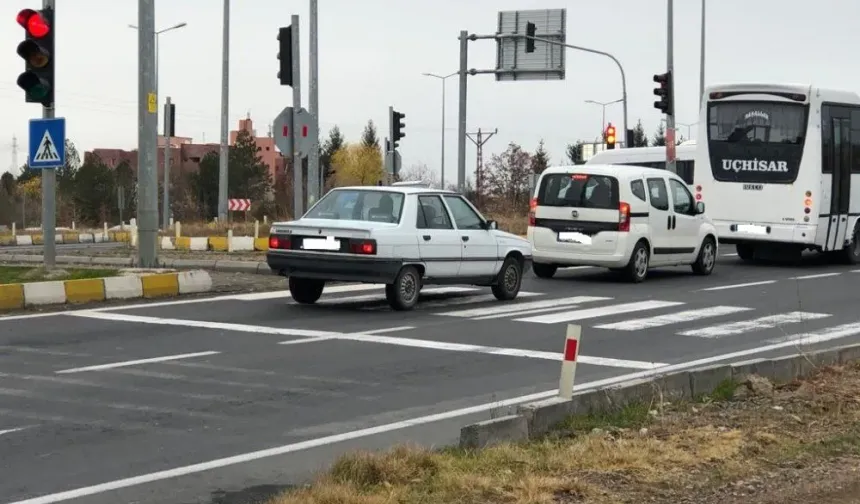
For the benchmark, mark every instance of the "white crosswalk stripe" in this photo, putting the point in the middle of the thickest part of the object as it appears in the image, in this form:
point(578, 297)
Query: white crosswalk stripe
point(758, 324)
point(506, 309)
point(604, 311)
point(673, 318)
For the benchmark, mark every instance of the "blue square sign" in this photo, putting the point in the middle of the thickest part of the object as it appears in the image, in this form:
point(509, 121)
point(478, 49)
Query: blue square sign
point(47, 143)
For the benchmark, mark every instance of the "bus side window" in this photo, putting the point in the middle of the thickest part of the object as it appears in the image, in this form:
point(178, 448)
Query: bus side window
point(685, 171)
point(855, 141)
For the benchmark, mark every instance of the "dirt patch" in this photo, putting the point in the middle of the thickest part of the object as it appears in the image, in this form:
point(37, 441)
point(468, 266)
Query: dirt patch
point(759, 443)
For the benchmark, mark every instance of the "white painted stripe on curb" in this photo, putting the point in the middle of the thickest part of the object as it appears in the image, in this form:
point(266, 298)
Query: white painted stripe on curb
point(194, 282)
point(123, 287)
point(113, 365)
point(44, 293)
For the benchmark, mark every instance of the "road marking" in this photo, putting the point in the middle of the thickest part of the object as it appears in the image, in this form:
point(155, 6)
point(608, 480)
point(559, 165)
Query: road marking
point(729, 255)
point(820, 275)
point(10, 431)
point(510, 308)
point(377, 297)
point(113, 365)
point(673, 318)
point(738, 286)
point(855, 271)
point(768, 322)
point(569, 316)
point(826, 334)
point(389, 330)
point(335, 289)
point(401, 425)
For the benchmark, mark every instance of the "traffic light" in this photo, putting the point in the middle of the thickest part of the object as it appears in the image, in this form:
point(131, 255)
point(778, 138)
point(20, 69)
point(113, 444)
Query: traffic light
point(531, 29)
point(397, 126)
point(37, 50)
point(664, 91)
point(609, 136)
point(285, 55)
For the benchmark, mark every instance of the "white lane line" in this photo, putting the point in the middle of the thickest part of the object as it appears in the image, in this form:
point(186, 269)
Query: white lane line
point(820, 275)
point(604, 311)
point(508, 308)
point(11, 431)
point(738, 286)
point(855, 271)
point(389, 330)
point(673, 318)
point(113, 365)
point(846, 331)
point(759, 324)
point(729, 255)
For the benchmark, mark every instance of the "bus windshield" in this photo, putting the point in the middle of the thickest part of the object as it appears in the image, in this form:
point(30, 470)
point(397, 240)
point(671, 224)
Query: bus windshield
point(756, 141)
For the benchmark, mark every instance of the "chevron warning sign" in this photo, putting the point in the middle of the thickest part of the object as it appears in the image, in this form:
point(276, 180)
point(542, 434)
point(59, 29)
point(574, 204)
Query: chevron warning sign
point(239, 205)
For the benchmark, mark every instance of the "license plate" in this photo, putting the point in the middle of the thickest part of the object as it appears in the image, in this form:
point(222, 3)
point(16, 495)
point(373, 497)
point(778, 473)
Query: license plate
point(752, 229)
point(574, 238)
point(328, 243)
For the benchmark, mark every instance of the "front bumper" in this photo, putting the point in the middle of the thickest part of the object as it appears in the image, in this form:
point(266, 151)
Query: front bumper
point(335, 267)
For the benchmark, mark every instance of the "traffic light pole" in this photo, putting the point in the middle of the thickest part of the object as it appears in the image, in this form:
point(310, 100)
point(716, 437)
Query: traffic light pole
point(314, 175)
point(49, 187)
point(670, 118)
point(165, 193)
point(298, 203)
point(461, 120)
point(147, 180)
point(223, 167)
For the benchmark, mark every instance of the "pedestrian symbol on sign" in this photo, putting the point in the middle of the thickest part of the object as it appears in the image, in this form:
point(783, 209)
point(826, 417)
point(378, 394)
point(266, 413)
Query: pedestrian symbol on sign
point(47, 151)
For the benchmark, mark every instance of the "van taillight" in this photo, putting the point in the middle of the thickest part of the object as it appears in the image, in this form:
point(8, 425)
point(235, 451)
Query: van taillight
point(623, 217)
point(279, 242)
point(532, 210)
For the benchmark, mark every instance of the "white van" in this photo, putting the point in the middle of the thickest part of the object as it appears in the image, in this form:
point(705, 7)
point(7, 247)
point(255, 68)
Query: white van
point(652, 157)
point(626, 218)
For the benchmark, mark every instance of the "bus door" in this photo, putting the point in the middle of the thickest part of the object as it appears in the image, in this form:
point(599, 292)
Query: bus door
point(840, 186)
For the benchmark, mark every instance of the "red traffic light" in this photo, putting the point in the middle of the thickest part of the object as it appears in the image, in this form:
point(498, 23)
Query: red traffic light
point(33, 22)
point(610, 134)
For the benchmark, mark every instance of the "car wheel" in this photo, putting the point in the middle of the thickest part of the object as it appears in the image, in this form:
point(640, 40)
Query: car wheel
point(544, 270)
point(403, 294)
point(707, 258)
point(637, 268)
point(306, 290)
point(745, 251)
point(851, 252)
point(509, 281)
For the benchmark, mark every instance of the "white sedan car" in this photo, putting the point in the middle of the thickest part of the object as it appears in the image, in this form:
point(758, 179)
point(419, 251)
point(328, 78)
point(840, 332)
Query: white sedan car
point(404, 237)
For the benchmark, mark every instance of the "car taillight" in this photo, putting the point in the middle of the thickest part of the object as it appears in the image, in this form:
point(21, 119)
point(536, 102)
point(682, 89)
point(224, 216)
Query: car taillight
point(532, 210)
point(364, 247)
point(623, 217)
point(279, 242)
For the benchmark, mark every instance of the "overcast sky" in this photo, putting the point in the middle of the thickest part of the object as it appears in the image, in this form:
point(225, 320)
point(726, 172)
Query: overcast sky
point(373, 52)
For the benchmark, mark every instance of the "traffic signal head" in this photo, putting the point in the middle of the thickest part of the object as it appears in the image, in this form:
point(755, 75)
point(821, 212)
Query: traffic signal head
point(398, 124)
point(610, 136)
point(531, 29)
point(664, 91)
point(285, 55)
point(37, 51)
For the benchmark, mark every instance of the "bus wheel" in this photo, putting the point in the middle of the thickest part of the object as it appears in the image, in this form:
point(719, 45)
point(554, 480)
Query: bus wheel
point(745, 251)
point(851, 252)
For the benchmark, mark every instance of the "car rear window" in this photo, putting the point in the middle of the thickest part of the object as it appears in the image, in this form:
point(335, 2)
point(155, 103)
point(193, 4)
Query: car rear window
point(579, 190)
point(359, 205)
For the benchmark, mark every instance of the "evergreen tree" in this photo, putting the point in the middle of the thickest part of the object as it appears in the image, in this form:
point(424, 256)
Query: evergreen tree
point(332, 144)
point(248, 177)
point(640, 138)
point(659, 136)
point(369, 136)
point(573, 152)
point(540, 159)
point(95, 192)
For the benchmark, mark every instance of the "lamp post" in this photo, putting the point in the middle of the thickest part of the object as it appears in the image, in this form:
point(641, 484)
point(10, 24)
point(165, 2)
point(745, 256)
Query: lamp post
point(442, 78)
point(157, 33)
point(603, 120)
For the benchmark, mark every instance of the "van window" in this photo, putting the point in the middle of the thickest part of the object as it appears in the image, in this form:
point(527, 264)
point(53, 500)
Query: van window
point(579, 190)
point(637, 187)
point(686, 169)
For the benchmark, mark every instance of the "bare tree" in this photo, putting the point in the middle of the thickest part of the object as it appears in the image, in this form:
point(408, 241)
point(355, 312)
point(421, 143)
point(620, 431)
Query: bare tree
point(421, 173)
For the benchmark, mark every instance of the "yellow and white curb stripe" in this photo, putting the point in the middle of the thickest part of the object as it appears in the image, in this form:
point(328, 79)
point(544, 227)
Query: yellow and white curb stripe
point(17, 296)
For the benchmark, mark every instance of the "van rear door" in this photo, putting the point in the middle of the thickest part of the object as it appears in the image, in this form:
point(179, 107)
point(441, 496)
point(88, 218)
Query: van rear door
point(577, 212)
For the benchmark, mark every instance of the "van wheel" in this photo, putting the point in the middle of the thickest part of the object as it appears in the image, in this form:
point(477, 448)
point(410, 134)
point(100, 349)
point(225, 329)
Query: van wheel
point(851, 252)
point(544, 270)
point(745, 251)
point(707, 258)
point(637, 268)
point(510, 279)
point(306, 290)
point(403, 294)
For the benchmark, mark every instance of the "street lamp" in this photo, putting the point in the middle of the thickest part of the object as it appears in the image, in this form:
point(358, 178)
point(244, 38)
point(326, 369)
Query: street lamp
point(174, 27)
point(603, 121)
point(687, 125)
point(442, 78)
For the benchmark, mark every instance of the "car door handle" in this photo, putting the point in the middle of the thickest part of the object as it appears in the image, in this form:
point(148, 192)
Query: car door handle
point(426, 237)
point(465, 238)
point(669, 222)
point(674, 221)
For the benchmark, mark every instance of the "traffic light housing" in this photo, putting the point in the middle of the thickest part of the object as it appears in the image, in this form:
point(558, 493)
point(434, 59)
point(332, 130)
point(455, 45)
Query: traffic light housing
point(37, 50)
point(609, 136)
point(531, 29)
point(285, 55)
point(397, 126)
point(664, 91)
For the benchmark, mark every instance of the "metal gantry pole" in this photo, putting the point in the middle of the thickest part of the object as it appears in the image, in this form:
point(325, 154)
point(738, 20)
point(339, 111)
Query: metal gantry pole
point(314, 175)
point(165, 193)
point(670, 52)
point(147, 181)
point(298, 203)
point(461, 120)
point(49, 190)
point(225, 98)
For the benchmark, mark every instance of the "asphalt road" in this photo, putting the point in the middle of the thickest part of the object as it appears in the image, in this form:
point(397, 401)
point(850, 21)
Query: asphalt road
point(29, 249)
point(242, 395)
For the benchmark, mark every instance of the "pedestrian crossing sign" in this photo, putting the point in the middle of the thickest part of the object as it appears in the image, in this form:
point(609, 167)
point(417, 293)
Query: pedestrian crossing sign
point(47, 143)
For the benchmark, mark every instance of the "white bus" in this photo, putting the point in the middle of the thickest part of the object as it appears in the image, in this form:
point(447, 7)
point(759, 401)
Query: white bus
point(779, 168)
point(652, 157)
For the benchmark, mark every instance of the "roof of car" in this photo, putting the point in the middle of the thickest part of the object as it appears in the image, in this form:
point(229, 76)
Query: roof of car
point(399, 189)
point(626, 171)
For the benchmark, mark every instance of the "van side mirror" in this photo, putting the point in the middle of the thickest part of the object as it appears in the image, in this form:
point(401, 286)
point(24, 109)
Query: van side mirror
point(491, 224)
point(700, 208)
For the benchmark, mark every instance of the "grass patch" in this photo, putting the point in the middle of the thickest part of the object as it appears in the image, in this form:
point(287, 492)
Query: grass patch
point(632, 416)
point(27, 274)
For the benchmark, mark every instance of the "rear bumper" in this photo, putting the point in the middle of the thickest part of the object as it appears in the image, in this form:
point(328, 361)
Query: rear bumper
point(732, 232)
point(567, 255)
point(333, 267)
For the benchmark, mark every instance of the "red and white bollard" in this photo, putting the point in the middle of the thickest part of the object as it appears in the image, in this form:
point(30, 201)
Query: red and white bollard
point(568, 365)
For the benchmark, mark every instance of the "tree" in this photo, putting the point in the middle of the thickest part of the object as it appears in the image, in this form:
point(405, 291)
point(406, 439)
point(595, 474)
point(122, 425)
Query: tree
point(204, 184)
point(125, 180)
point(421, 173)
point(95, 192)
point(357, 165)
point(249, 176)
point(369, 137)
point(332, 144)
point(8, 184)
point(508, 177)
point(540, 159)
point(640, 138)
point(573, 152)
point(659, 136)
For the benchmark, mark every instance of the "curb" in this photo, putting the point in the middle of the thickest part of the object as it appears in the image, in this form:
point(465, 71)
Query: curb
point(534, 420)
point(223, 265)
point(64, 238)
point(147, 286)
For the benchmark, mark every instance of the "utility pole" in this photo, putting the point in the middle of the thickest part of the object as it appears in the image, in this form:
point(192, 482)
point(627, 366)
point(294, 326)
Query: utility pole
point(165, 196)
point(315, 177)
point(147, 180)
point(670, 118)
point(15, 165)
point(225, 97)
point(462, 109)
point(702, 56)
point(479, 140)
point(298, 160)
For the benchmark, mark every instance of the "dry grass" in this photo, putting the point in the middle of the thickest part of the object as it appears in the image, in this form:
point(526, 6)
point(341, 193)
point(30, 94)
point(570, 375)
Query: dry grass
point(686, 454)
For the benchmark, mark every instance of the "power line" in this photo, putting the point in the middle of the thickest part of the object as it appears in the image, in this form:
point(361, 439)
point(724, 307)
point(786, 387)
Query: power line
point(479, 140)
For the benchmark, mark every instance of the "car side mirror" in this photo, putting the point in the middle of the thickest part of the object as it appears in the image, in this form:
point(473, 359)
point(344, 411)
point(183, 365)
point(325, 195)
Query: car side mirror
point(700, 208)
point(491, 224)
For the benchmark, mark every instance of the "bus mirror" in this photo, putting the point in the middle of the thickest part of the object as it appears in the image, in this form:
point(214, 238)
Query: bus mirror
point(700, 207)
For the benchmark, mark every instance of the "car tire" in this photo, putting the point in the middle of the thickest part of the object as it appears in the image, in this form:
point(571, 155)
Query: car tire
point(402, 295)
point(707, 258)
point(745, 251)
point(544, 270)
point(509, 281)
point(851, 252)
point(637, 268)
point(306, 290)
